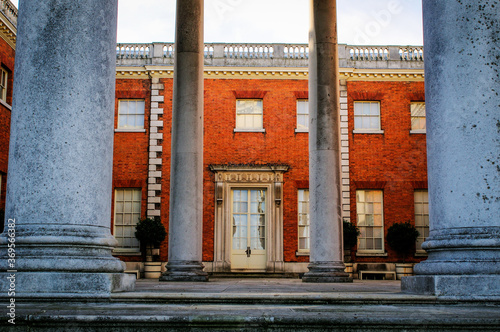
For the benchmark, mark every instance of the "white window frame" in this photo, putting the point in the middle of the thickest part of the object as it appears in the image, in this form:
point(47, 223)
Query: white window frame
point(421, 218)
point(4, 79)
point(303, 203)
point(134, 216)
point(360, 117)
point(140, 114)
point(302, 112)
point(414, 107)
point(242, 118)
point(365, 222)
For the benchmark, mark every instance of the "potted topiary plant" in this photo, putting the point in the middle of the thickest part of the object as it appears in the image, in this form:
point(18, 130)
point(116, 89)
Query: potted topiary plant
point(401, 237)
point(151, 232)
point(350, 234)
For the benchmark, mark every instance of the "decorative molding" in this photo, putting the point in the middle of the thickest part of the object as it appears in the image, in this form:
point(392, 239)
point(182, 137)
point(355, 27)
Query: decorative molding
point(275, 73)
point(269, 177)
point(8, 31)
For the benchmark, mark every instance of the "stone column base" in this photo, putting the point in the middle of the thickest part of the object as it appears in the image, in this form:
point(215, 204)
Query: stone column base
point(463, 286)
point(64, 284)
point(184, 271)
point(326, 272)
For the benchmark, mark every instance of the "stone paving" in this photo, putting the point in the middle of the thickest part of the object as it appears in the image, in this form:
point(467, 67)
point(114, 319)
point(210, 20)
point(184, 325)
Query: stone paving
point(268, 285)
point(259, 305)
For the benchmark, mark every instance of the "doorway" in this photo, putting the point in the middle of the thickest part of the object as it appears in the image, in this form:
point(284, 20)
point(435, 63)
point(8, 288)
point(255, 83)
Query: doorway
point(248, 229)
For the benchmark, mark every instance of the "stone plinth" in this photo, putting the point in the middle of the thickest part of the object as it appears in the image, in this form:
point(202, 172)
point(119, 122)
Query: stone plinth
point(61, 150)
point(463, 143)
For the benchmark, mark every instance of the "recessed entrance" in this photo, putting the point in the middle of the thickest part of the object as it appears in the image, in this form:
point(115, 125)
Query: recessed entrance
point(248, 229)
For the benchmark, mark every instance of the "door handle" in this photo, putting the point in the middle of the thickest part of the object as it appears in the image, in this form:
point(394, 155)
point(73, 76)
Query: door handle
point(248, 251)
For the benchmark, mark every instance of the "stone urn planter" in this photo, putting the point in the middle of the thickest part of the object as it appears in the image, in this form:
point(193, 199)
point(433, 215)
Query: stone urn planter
point(350, 235)
point(349, 268)
point(401, 237)
point(151, 232)
point(152, 270)
point(404, 270)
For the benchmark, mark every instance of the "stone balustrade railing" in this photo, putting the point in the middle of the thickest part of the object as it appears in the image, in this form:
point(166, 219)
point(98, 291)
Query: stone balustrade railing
point(273, 55)
point(9, 11)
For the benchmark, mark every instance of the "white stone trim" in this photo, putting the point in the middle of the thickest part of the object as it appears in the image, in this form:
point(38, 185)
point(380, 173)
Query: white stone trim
point(229, 177)
point(344, 143)
point(154, 175)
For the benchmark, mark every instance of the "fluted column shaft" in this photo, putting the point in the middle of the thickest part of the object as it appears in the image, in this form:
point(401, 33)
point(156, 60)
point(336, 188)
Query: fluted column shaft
point(326, 255)
point(186, 176)
point(462, 83)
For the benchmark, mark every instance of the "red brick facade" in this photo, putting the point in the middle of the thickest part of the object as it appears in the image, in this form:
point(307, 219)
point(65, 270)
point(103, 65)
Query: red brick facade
point(395, 161)
point(7, 55)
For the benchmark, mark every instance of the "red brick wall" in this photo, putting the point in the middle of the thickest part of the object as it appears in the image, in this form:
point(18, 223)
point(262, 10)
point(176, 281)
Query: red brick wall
point(7, 55)
point(130, 150)
point(278, 145)
point(394, 161)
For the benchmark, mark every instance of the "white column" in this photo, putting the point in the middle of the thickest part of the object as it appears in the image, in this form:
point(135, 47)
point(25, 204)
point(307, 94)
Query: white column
point(61, 152)
point(186, 176)
point(326, 255)
point(462, 50)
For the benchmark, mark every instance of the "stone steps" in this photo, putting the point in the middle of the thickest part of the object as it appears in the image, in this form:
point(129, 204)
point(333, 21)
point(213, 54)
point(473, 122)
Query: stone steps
point(244, 275)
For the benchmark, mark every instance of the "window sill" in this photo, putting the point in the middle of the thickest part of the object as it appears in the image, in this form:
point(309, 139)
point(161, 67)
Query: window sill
point(4, 103)
point(301, 253)
point(363, 131)
point(418, 131)
point(249, 130)
point(302, 130)
point(371, 254)
point(130, 130)
point(421, 254)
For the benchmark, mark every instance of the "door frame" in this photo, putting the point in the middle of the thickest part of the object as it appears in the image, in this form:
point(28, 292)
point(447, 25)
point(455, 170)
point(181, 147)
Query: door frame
point(267, 217)
point(228, 177)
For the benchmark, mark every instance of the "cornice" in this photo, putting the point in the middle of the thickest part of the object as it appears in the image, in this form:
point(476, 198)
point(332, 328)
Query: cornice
point(350, 74)
point(8, 31)
point(249, 168)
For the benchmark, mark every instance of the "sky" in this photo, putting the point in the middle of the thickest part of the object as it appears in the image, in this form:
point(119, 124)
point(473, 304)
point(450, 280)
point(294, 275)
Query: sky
point(360, 22)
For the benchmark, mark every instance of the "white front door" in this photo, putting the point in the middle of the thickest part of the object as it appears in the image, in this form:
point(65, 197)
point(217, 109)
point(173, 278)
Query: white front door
point(248, 239)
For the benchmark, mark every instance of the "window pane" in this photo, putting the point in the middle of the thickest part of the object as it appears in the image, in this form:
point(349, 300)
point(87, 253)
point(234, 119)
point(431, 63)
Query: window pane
point(304, 229)
point(302, 114)
point(127, 214)
point(365, 123)
point(366, 109)
point(418, 109)
point(421, 216)
point(249, 106)
point(131, 114)
point(358, 122)
point(417, 116)
point(374, 123)
point(370, 219)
